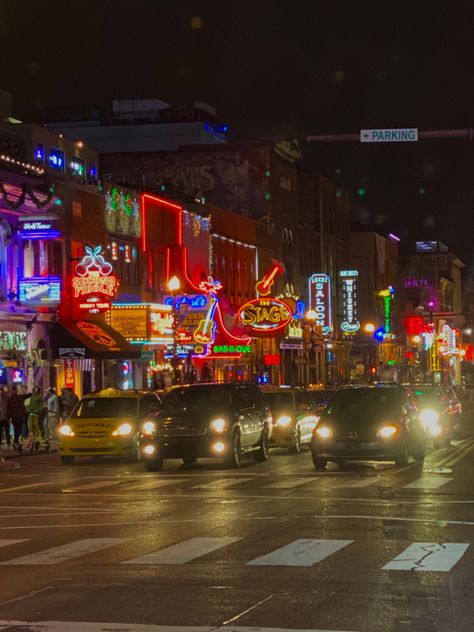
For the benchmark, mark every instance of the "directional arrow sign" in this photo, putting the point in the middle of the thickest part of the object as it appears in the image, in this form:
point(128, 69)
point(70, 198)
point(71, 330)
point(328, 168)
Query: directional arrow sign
point(401, 135)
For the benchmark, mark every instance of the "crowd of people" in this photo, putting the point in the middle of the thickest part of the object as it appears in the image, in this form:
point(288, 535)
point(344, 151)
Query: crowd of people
point(28, 420)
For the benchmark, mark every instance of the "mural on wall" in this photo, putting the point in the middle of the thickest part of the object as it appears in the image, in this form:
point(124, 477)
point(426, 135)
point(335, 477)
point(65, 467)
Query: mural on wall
point(122, 211)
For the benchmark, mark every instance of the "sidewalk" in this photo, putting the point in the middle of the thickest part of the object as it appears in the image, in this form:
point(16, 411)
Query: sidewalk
point(11, 453)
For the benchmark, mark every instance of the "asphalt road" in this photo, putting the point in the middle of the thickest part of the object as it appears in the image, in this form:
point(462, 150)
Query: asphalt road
point(106, 546)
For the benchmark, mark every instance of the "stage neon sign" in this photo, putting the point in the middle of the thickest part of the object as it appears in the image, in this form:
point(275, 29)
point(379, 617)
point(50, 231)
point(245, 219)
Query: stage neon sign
point(264, 316)
point(94, 281)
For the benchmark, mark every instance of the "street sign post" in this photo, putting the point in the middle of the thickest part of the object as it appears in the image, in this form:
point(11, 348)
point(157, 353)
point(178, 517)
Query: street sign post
point(399, 135)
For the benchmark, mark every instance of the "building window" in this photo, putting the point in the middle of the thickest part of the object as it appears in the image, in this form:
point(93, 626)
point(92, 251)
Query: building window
point(39, 153)
point(76, 209)
point(42, 258)
point(56, 159)
point(77, 167)
point(125, 258)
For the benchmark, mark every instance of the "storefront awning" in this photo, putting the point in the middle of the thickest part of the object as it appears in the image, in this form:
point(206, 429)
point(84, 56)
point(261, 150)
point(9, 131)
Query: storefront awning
point(90, 339)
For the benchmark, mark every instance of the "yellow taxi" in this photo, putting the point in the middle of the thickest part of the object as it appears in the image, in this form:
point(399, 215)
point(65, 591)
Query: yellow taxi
point(105, 423)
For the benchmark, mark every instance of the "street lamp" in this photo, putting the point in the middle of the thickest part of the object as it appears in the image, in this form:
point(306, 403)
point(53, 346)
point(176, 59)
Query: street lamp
point(174, 285)
point(311, 317)
point(369, 328)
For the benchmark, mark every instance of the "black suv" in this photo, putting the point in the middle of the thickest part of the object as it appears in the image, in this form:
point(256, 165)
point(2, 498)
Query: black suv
point(369, 423)
point(207, 420)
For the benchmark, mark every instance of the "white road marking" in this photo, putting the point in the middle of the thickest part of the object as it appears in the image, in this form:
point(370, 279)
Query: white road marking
point(9, 542)
point(365, 482)
point(289, 483)
point(159, 482)
point(183, 552)
point(221, 484)
point(86, 626)
point(64, 552)
point(301, 553)
point(93, 486)
point(428, 556)
point(428, 482)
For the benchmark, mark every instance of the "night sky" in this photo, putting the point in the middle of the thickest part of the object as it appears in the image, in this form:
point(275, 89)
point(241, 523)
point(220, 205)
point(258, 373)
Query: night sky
point(277, 68)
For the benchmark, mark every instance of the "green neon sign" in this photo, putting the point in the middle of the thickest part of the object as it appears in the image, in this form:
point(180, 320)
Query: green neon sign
point(223, 349)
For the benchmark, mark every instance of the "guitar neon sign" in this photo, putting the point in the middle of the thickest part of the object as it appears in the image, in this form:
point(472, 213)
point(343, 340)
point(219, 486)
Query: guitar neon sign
point(94, 281)
point(264, 286)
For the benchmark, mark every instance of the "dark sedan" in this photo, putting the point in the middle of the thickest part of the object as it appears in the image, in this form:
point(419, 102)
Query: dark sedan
point(368, 423)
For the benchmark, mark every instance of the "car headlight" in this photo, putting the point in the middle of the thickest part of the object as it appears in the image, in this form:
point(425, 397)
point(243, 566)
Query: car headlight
point(123, 430)
point(387, 432)
point(323, 432)
point(429, 417)
point(283, 420)
point(218, 425)
point(66, 431)
point(435, 430)
point(149, 428)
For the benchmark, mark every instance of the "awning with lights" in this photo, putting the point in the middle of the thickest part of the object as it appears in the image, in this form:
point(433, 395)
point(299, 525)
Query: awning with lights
point(90, 339)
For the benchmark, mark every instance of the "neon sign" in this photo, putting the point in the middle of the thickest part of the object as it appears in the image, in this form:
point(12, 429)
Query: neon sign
point(38, 227)
point(350, 324)
point(39, 290)
point(12, 340)
point(387, 296)
point(320, 301)
point(94, 281)
point(264, 316)
point(231, 349)
point(264, 286)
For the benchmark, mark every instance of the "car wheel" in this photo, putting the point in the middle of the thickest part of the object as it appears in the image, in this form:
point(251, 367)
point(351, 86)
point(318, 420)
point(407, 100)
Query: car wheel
point(153, 465)
point(263, 452)
point(235, 452)
point(296, 449)
point(402, 456)
point(319, 464)
point(67, 460)
point(189, 460)
point(419, 451)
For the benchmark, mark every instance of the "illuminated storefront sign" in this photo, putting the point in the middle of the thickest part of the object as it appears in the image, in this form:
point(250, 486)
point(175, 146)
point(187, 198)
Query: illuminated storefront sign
point(147, 323)
point(94, 284)
point(320, 301)
point(387, 296)
point(435, 364)
point(39, 291)
point(12, 340)
point(448, 335)
point(38, 227)
point(195, 328)
point(350, 324)
point(264, 316)
point(416, 282)
point(231, 349)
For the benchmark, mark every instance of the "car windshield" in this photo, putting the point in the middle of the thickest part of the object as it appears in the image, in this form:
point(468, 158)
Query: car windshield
point(279, 401)
point(363, 404)
point(321, 397)
point(198, 397)
point(426, 395)
point(98, 407)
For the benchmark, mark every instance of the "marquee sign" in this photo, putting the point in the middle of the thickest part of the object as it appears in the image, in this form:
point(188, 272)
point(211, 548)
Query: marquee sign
point(94, 284)
point(264, 316)
point(38, 227)
point(320, 301)
point(39, 290)
point(349, 324)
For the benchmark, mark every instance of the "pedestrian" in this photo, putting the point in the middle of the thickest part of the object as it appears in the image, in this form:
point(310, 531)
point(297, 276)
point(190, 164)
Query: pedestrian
point(69, 399)
point(16, 412)
point(4, 421)
point(35, 410)
point(52, 404)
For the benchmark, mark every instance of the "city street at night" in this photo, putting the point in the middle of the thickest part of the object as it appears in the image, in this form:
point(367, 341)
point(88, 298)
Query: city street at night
point(369, 547)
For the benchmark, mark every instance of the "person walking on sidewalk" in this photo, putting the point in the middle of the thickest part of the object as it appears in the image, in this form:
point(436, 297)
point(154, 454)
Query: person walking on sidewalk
point(16, 412)
point(35, 410)
point(69, 399)
point(4, 421)
point(52, 404)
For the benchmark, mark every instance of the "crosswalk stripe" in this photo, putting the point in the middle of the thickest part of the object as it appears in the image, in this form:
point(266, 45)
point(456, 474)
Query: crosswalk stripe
point(428, 482)
point(159, 482)
point(183, 552)
point(221, 484)
point(9, 542)
point(303, 552)
point(93, 486)
point(428, 556)
point(64, 552)
point(80, 626)
point(365, 482)
point(290, 483)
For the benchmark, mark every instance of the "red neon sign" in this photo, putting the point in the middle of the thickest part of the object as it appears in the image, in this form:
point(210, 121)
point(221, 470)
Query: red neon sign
point(94, 283)
point(264, 316)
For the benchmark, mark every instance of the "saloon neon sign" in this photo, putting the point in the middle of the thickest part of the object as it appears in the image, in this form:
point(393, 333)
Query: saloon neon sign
point(320, 301)
point(264, 316)
point(94, 281)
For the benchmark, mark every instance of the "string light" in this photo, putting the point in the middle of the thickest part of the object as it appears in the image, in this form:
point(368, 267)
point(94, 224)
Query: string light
point(20, 163)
